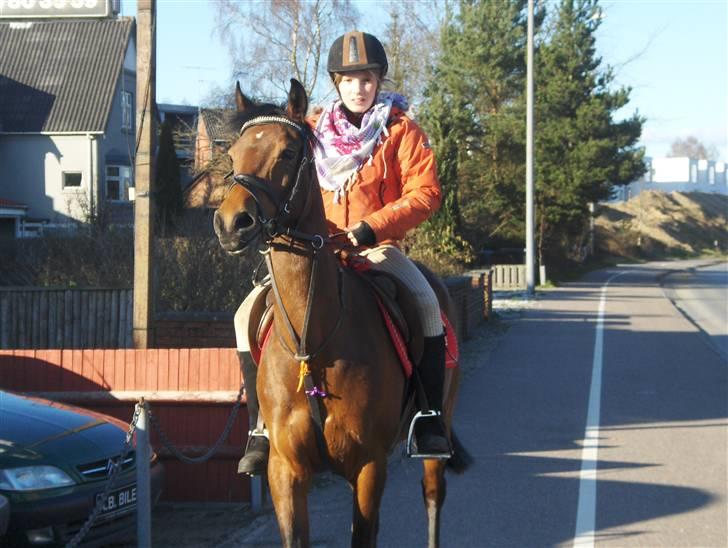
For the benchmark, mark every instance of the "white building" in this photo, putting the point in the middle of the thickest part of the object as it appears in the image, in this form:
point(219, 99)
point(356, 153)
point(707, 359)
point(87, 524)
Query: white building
point(681, 174)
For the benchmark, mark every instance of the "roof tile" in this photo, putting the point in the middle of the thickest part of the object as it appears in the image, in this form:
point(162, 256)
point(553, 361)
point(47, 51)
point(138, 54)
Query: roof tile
point(60, 76)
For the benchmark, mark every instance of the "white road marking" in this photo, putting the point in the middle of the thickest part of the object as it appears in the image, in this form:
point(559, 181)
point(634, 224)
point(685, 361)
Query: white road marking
point(586, 508)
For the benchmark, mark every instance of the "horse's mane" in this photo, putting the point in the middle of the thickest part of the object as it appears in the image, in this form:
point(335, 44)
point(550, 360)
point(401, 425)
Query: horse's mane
point(236, 120)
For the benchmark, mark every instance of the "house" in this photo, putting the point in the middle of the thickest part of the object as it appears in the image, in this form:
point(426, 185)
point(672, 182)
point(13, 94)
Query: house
point(183, 120)
point(67, 124)
point(681, 174)
point(207, 189)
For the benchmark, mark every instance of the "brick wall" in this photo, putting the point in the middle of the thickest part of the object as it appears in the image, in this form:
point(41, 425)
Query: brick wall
point(194, 330)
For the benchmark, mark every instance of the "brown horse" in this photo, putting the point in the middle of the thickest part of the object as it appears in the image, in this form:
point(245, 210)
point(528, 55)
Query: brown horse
point(327, 333)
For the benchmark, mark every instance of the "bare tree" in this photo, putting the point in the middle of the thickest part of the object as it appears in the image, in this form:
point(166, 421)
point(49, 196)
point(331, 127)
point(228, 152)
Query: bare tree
point(692, 147)
point(274, 41)
point(411, 38)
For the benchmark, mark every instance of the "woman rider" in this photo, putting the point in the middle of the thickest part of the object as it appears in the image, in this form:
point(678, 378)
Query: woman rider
point(378, 180)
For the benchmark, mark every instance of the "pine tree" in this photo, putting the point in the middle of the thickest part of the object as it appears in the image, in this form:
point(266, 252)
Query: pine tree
point(475, 116)
point(581, 151)
point(168, 189)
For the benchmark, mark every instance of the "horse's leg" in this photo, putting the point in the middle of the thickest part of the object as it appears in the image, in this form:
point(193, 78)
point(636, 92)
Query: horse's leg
point(289, 493)
point(433, 491)
point(368, 489)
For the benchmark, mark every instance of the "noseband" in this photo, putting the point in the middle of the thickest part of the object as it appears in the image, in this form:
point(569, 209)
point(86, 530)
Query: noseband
point(257, 186)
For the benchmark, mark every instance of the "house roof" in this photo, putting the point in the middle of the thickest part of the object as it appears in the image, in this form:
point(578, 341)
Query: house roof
point(60, 76)
point(215, 123)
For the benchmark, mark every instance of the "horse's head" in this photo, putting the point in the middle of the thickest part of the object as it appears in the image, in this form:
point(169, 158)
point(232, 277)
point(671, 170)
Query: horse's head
point(269, 158)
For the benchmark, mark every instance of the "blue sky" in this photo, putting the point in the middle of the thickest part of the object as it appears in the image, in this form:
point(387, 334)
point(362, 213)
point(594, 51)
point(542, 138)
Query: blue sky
point(673, 54)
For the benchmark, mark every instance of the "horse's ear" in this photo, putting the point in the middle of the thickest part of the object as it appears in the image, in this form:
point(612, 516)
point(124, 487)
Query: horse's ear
point(241, 101)
point(297, 101)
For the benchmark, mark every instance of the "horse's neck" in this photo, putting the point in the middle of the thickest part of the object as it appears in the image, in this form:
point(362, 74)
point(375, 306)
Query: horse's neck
point(293, 267)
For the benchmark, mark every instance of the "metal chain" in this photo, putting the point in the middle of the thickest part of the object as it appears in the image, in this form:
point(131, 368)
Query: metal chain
point(209, 454)
point(78, 537)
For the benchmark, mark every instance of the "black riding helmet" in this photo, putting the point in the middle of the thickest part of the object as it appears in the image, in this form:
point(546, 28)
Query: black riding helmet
point(354, 51)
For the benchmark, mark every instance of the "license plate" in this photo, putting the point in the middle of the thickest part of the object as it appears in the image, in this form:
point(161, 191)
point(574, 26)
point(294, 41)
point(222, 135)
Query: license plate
point(119, 500)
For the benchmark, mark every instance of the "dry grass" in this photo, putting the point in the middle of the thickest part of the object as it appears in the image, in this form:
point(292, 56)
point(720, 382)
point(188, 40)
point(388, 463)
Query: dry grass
point(656, 225)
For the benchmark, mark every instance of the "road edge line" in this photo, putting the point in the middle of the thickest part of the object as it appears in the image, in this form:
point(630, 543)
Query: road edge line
point(587, 499)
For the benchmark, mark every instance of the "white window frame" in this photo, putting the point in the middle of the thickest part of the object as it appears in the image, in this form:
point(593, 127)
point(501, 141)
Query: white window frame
point(123, 178)
point(127, 110)
point(71, 188)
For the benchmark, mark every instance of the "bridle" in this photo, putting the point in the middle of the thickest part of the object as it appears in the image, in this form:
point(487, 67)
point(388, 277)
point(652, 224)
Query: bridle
point(256, 186)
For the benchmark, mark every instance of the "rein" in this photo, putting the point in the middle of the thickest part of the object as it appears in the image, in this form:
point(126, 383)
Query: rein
point(276, 227)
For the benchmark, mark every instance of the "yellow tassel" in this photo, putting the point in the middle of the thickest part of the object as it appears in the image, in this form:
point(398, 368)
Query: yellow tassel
point(302, 372)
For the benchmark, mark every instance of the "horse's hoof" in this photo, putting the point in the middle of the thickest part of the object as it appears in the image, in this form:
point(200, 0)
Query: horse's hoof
point(255, 460)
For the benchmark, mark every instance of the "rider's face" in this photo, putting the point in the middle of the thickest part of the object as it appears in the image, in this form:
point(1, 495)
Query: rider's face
point(358, 90)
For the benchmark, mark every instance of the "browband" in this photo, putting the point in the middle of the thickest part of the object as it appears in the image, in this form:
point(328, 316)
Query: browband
point(269, 120)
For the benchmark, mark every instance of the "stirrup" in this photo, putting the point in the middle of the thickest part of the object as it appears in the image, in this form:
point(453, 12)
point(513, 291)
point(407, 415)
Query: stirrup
point(411, 438)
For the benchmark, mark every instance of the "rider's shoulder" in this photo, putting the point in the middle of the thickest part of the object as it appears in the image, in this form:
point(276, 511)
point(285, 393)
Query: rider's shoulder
point(401, 122)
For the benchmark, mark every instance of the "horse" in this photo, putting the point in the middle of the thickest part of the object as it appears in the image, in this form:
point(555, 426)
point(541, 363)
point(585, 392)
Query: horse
point(327, 333)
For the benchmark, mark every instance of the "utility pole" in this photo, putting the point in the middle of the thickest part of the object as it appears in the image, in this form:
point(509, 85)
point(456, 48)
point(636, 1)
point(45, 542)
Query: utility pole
point(530, 269)
point(144, 173)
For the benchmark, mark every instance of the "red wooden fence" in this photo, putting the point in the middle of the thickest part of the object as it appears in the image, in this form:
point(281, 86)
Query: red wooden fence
point(191, 391)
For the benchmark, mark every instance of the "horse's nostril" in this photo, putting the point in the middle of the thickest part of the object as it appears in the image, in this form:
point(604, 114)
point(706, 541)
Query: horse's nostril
point(243, 221)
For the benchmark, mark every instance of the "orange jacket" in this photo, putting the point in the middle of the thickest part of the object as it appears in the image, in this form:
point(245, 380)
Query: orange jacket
point(394, 192)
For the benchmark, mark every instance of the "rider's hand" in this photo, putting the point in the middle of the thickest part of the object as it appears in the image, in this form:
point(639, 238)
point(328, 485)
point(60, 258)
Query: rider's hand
point(361, 234)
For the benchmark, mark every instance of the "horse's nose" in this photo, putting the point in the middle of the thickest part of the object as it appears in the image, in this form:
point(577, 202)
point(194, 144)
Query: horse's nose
point(240, 222)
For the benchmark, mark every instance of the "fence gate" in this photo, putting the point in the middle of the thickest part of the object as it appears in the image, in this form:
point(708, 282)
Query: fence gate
point(509, 276)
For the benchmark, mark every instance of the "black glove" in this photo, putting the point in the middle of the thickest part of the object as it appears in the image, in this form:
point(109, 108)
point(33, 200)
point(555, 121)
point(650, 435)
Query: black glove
point(363, 234)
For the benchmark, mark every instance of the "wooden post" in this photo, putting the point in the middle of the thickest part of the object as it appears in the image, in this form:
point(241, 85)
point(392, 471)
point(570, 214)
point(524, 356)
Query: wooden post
point(144, 173)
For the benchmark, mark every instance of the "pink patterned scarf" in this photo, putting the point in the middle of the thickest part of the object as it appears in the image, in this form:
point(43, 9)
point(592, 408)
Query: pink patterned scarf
point(343, 148)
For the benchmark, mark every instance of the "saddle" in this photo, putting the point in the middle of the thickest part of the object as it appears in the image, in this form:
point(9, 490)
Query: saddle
point(395, 300)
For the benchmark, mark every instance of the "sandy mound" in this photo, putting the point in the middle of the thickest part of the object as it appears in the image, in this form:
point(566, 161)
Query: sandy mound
point(656, 224)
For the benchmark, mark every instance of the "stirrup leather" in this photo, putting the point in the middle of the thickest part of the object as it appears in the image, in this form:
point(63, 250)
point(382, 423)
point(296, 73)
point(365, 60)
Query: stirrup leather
point(411, 438)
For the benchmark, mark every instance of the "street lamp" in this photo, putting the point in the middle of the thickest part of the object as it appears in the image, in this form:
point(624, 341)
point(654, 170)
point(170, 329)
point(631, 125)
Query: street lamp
point(530, 270)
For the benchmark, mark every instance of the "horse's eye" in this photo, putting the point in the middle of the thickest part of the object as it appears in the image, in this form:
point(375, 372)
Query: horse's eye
point(288, 154)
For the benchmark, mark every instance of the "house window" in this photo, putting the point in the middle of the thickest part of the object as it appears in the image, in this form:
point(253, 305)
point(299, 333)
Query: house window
point(72, 179)
point(127, 110)
point(118, 181)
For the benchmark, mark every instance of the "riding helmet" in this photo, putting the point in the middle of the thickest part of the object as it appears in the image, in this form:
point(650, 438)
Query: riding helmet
point(356, 50)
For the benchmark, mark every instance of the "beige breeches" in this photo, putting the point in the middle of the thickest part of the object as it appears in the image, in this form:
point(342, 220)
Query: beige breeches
point(388, 258)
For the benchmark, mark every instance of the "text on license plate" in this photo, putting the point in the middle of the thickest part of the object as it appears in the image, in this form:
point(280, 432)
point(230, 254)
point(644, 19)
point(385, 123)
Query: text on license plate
point(119, 499)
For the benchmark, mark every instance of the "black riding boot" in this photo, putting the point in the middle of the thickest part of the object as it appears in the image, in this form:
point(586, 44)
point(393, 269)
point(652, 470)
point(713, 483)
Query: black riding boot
point(255, 460)
point(429, 430)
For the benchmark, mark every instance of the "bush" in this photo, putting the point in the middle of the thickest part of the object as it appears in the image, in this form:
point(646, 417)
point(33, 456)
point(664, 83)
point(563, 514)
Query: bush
point(190, 273)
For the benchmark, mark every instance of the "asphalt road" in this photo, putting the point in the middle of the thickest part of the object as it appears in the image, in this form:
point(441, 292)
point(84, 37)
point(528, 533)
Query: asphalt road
point(702, 295)
point(601, 418)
